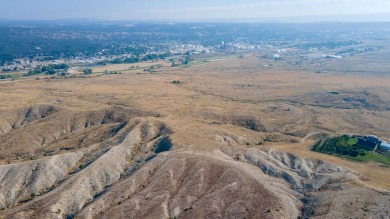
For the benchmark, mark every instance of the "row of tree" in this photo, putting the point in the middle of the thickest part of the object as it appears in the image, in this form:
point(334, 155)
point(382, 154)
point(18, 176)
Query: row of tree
point(135, 59)
point(5, 76)
point(49, 69)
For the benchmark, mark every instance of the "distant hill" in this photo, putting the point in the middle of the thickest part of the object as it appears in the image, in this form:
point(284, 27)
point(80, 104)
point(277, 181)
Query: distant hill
point(384, 17)
point(333, 18)
point(380, 17)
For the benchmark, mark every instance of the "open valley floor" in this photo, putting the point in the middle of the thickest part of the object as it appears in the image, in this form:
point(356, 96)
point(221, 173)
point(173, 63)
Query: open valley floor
point(229, 138)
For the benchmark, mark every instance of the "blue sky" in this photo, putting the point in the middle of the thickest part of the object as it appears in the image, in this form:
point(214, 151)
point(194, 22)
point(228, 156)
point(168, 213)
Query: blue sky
point(184, 9)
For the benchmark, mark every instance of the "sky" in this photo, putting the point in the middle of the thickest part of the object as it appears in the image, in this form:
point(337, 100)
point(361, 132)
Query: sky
point(184, 9)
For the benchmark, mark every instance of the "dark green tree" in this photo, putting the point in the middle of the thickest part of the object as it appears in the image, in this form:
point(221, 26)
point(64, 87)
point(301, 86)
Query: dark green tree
point(87, 71)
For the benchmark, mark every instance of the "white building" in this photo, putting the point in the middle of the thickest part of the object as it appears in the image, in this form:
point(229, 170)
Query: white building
point(385, 146)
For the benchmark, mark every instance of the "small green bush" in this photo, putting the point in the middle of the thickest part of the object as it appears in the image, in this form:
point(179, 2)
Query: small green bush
point(87, 71)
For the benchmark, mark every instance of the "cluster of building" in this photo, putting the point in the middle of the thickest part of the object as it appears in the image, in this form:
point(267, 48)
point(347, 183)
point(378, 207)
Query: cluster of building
point(193, 48)
point(385, 146)
point(25, 64)
point(374, 142)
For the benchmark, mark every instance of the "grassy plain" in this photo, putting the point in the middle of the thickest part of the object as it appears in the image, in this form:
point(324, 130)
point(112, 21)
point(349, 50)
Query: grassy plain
point(271, 106)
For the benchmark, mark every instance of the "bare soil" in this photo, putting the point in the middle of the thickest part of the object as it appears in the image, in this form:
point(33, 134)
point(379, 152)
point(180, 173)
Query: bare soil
point(232, 140)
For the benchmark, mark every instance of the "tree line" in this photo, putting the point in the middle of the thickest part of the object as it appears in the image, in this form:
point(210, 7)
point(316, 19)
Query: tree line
point(49, 69)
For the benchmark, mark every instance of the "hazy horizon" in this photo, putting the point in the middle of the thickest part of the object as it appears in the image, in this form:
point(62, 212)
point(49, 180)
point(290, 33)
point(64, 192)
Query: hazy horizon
point(385, 17)
point(374, 10)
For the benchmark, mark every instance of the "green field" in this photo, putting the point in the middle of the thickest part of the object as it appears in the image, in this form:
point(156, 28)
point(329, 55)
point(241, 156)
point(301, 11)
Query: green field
point(347, 147)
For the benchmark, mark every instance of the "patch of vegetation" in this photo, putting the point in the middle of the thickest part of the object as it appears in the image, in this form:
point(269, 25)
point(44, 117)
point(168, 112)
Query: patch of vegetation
point(187, 59)
point(152, 69)
point(70, 216)
point(112, 72)
point(5, 76)
point(87, 71)
point(49, 69)
point(349, 147)
point(135, 59)
point(176, 82)
point(173, 63)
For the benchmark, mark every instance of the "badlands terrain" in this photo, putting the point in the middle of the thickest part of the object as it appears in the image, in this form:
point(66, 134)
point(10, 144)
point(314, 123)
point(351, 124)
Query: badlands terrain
point(230, 139)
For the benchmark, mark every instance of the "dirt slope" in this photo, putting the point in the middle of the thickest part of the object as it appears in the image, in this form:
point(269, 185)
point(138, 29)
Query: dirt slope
point(214, 146)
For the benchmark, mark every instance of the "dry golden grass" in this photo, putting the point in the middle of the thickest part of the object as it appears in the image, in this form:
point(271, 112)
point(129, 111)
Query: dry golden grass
point(126, 67)
point(227, 98)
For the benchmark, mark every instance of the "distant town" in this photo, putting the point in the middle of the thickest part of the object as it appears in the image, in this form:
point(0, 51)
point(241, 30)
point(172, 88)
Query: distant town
point(40, 44)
